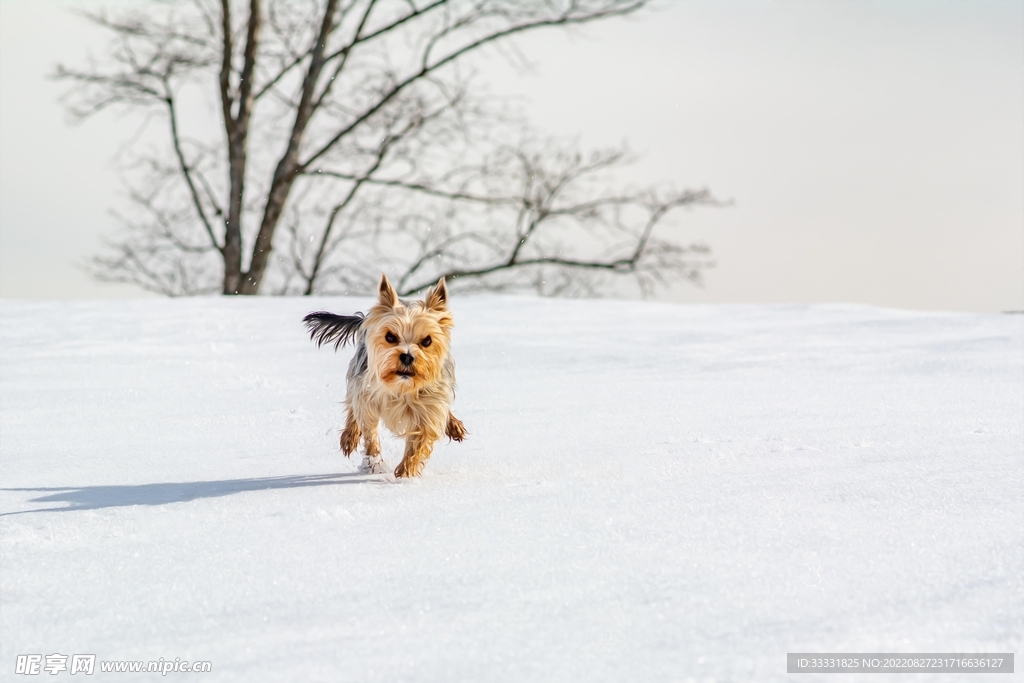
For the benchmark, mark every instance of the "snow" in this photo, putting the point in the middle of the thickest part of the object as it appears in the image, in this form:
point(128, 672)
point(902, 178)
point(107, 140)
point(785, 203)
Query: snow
point(649, 492)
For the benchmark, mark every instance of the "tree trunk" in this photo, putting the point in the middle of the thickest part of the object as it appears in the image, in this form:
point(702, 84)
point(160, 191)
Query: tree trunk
point(236, 127)
point(288, 167)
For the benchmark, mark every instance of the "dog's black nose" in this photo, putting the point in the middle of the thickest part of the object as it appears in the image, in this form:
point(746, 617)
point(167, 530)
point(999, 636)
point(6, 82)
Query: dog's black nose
point(406, 358)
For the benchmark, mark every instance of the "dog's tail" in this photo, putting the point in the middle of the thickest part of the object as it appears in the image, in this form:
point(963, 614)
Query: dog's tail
point(325, 328)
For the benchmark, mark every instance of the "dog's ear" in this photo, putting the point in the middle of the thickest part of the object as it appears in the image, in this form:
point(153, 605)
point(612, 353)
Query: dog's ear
point(437, 298)
point(387, 294)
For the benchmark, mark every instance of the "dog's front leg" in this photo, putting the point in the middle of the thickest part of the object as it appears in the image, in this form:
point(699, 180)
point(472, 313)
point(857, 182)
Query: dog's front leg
point(417, 452)
point(373, 463)
point(349, 435)
point(362, 421)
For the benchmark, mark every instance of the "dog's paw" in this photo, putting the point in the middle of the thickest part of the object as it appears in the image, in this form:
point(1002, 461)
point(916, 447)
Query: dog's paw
point(406, 469)
point(373, 465)
point(455, 430)
point(349, 440)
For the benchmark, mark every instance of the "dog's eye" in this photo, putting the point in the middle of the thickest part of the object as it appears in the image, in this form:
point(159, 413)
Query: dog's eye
point(426, 342)
point(390, 338)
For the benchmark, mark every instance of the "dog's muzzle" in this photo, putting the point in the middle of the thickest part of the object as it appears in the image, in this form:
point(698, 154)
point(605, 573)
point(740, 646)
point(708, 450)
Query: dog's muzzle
point(405, 370)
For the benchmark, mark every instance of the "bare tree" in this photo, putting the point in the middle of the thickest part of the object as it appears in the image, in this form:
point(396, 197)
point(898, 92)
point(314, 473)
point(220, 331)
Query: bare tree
point(351, 125)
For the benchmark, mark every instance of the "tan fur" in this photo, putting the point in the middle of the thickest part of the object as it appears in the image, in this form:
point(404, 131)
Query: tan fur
point(414, 407)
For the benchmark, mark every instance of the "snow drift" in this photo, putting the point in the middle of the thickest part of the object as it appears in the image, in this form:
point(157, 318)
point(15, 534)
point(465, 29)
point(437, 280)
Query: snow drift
point(649, 492)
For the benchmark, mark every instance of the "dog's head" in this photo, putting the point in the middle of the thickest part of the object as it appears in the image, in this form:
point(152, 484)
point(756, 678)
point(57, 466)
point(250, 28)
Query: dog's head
point(407, 341)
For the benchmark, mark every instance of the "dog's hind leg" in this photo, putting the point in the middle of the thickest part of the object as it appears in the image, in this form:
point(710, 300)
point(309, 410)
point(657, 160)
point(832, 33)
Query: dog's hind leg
point(455, 430)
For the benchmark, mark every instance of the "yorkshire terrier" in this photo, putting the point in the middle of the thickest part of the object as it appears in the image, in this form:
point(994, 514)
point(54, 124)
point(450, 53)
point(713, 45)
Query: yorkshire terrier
point(402, 373)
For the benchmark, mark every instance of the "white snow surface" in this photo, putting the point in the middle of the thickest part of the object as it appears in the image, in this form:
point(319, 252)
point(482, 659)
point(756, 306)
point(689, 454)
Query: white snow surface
point(649, 492)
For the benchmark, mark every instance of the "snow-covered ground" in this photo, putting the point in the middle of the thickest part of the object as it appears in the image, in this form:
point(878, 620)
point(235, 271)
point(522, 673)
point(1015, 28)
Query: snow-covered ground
point(649, 493)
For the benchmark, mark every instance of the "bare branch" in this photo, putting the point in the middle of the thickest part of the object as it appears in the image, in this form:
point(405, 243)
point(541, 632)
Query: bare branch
point(186, 171)
point(227, 98)
point(622, 264)
point(426, 69)
point(414, 187)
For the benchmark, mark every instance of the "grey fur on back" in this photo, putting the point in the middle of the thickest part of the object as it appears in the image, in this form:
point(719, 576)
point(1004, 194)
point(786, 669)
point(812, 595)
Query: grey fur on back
point(360, 361)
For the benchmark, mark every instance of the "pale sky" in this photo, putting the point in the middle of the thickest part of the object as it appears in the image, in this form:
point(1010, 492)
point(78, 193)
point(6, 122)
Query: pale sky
point(874, 150)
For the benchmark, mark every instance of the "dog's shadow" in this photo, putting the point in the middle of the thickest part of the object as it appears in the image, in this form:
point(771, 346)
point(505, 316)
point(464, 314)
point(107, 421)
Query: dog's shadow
point(97, 497)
